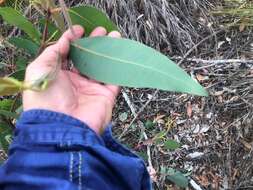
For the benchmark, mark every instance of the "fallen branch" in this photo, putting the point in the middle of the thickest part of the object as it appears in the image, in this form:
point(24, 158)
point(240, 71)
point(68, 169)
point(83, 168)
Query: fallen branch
point(216, 61)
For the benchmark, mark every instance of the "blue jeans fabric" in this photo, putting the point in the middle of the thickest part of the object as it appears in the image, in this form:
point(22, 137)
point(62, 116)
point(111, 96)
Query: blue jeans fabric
point(53, 151)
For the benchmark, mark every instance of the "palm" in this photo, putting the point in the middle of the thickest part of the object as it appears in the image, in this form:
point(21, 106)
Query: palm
point(71, 93)
point(87, 97)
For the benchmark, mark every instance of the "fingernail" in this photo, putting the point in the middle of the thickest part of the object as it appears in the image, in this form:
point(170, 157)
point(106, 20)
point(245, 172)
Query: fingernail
point(114, 34)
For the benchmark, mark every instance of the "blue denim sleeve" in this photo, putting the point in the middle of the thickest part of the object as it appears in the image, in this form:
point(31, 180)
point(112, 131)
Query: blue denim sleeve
point(53, 151)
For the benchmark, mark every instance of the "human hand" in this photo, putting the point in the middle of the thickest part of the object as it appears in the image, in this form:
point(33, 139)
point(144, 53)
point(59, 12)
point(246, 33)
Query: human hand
point(70, 93)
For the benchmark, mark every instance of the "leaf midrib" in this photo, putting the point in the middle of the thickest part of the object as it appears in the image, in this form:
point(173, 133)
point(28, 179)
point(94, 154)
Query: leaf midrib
point(75, 13)
point(124, 61)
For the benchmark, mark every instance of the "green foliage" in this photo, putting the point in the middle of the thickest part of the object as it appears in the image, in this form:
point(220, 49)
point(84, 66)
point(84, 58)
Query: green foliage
point(21, 63)
point(171, 145)
point(6, 104)
point(5, 130)
point(90, 18)
point(175, 176)
point(5, 136)
point(237, 12)
point(149, 124)
point(129, 63)
point(19, 74)
point(25, 44)
point(15, 18)
point(8, 114)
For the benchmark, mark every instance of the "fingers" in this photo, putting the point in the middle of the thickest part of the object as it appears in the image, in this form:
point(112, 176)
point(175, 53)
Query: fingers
point(50, 55)
point(99, 31)
point(114, 34)
point(68, 37)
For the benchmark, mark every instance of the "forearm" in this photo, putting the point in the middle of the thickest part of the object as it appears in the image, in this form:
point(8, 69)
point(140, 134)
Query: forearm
point(54, 151)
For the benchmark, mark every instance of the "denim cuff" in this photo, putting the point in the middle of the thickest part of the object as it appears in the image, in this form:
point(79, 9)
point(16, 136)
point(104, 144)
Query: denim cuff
point(48, 127)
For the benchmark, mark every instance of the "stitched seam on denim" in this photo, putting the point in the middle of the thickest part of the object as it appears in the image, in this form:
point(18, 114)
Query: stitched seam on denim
point(71, 167)
point(80, 171)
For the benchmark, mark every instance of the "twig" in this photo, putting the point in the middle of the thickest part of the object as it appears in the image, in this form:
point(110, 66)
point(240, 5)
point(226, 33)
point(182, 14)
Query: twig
point(194, 185)
point(139, 112)
point(128, 101)
point(214, 62)
point(148, 150)
point(45, 33)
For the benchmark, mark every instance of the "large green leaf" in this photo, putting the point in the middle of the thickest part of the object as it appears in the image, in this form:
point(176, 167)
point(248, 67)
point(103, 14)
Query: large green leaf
point(29, 46)
point(90, 18)
point(130, 63)
point(15, 18)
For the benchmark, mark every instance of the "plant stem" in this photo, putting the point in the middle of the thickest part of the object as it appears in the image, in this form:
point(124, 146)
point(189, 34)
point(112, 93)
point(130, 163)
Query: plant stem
point(45, 32)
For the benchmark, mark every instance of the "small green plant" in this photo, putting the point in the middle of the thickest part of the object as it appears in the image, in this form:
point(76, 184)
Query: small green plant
point(123, 62)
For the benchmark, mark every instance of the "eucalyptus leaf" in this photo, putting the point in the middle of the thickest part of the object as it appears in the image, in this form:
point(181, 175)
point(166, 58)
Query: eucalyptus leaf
point(90, 18)
point(29, 46)
point(15, 18)
point(129, 63)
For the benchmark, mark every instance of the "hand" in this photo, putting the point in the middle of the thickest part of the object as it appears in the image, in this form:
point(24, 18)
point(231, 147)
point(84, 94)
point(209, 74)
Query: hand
point(70, 93)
